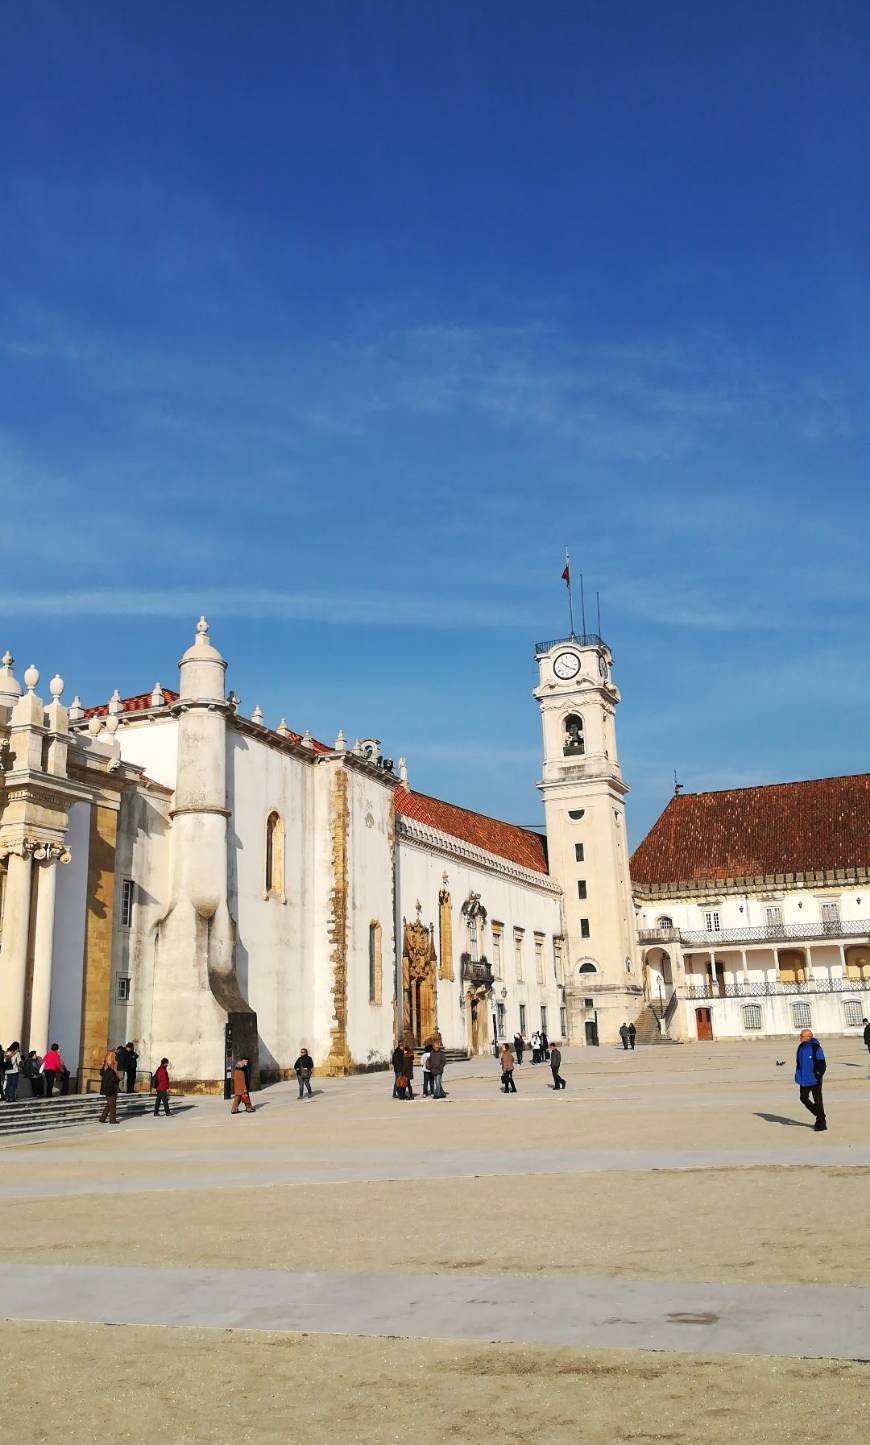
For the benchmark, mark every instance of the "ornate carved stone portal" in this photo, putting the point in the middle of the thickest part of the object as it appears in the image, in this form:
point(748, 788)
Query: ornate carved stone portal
point(419, 988)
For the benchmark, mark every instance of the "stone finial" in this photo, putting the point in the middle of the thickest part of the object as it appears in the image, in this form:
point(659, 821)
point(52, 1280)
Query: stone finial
point(115, 704)
point(10, 687)
point(76, 710)
point(357, 748)
point(403, 773)
point(282, 729)
point(158, 697)
point(31, 677)
point(56, 686)
point(257, 715)
point(341, 742)
point(202, 627)
point(112, 723)
point(95, 726)
point(307, 740)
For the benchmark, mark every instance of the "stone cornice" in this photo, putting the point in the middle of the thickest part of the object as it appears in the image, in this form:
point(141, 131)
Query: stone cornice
point(431, 840)
point(710, 889)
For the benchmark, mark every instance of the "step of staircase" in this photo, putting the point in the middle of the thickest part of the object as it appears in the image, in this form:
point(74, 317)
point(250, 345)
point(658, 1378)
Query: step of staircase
point(28, 1116)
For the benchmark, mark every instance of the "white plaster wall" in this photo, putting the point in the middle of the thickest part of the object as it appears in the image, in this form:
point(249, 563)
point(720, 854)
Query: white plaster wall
point(152, 745)
point(274, 962)
point(370, 899)
point(71, 903)
point(827, 1016)
point(799, 908)
point(142, 854)
point(514, 904)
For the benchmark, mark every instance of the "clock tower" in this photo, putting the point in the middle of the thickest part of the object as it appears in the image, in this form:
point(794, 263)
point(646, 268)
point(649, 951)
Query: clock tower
point(584, 806)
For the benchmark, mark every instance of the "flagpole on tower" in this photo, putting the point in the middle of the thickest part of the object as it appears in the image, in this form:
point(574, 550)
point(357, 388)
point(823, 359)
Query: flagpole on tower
point(566, 578)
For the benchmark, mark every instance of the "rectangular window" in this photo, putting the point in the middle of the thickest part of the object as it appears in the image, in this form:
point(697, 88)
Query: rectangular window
point(831, 916)
point(853, 1016)
point(496, 949)
point(751, 1016)
point(123, 983)
point(539, 957)
point(563, 1021)
point(584, 927)
point(711, 922)
point(518, 953)
point(800, 1015)
point(578, 852)
point(127, 903)
point(581, 887)
point(544, 1018)
point(557, 960)
point(523, 1019)
point(773, 916)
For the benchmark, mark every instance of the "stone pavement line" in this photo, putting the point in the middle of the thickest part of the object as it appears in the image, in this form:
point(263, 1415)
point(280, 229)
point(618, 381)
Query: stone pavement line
point(814, 1321)
point(357, 1167)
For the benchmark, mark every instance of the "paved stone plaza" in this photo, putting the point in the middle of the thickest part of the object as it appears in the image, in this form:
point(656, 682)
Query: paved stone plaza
point(666, 1251)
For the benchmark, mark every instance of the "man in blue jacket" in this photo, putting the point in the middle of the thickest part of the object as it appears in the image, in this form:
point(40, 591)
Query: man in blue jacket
point(808, 1076)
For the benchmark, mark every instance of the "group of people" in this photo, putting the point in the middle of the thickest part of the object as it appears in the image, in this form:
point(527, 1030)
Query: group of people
point(42, 1072)
point(432, 1065)
point(538, 1043)
point(507, 1062)
point(628, 1034)
point(120, 1067)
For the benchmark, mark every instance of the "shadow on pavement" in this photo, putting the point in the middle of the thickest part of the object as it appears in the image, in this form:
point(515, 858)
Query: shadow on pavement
point(781, 1119)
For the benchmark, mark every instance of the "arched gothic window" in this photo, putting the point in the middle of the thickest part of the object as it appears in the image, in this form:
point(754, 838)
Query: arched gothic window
point(274, 856)
point(573, 742)
point(665, 922)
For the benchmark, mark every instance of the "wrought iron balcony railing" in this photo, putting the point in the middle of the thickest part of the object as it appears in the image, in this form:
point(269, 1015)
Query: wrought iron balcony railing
point(712, 989)
point(780, 932)
point(581, 639)
point(658, 935)
point(476, 970)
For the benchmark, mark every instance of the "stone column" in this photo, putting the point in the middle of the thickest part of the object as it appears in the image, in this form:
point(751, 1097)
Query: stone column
point(43, 948)
point(13, 952)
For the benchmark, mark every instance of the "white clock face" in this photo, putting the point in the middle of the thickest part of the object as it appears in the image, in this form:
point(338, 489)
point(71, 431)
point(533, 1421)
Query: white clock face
point(602, 666)
point(567, 665)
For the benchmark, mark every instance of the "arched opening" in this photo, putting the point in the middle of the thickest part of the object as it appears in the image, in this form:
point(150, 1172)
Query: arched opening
point(587, 967)
point(274, 856)
point(858, 963)
point(573, 738)
point(791, 964)
point(664, 922)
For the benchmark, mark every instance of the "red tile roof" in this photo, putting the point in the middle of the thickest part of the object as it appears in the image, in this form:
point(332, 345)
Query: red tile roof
point(518, 845)
point(140, 703)
point(816, 826)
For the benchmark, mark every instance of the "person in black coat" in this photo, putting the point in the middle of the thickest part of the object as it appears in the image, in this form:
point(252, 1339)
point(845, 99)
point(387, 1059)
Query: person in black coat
point(131, 1066)
point(866, 1023)
point(398, 1062)
point(304, 1068)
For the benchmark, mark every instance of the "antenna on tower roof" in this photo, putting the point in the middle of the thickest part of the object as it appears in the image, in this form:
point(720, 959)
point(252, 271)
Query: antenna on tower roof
point(678, 787)
point(598, 610)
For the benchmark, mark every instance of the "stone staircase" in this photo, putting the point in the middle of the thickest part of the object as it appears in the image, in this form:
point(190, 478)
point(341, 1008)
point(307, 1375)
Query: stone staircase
point(64, 1111)
point(648, 1030)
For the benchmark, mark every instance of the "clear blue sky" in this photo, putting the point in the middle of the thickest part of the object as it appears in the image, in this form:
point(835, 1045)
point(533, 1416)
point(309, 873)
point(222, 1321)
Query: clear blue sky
point(340, 320)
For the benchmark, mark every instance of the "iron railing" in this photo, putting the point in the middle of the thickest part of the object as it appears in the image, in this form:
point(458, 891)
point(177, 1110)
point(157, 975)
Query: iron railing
point(779, 932)
point(582, 639)
point(767, 989)
point(476, 971)
point(658, 935)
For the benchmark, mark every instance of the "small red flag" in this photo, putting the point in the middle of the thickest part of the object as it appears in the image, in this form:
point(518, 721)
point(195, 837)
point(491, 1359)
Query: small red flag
point(566, 575)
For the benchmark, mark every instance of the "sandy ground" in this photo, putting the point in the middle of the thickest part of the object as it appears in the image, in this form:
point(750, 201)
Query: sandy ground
point(95, 1383)
point(710, 1225)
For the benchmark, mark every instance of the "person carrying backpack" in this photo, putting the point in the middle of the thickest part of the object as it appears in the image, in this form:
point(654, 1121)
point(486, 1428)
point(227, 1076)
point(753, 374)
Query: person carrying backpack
point(809, 1072)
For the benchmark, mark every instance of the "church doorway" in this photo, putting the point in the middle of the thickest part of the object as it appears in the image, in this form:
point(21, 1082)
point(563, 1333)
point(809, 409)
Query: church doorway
point(419, 987)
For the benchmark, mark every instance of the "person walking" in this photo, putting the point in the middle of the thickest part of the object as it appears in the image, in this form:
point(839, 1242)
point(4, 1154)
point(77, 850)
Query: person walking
point(555, 1065)
point(809, 1072)
point(866, 1023)
point(131, 1066)
point(398, 1062)
point(32, 1071)
point(632, 1035)
point(623, 1034)
point(519, 1046)
point(241, 1088)
point(409, 1070)
point(436, 1069)
point(12, 1066)
point(110, 1083)
point(507, 1071)
point(52, 1065)
point(427, 1076)
point(303, 1069)
point(161, 1084)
